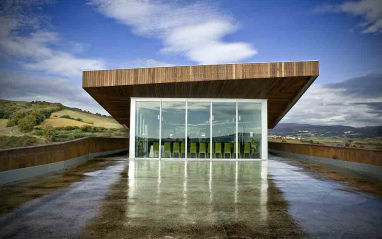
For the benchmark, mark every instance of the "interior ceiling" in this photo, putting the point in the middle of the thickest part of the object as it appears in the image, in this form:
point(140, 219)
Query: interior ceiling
point(281, 92)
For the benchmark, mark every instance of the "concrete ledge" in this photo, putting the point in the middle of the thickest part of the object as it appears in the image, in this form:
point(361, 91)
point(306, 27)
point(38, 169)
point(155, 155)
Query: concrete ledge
point(23, 173)
point(372, 170)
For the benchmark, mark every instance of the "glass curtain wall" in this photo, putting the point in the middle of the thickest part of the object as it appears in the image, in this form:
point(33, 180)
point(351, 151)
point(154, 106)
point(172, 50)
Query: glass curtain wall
point(223, 129)
point(147, 129)
point(198, 129)
point(249, 129)
point(173, 129)
point(235, 129)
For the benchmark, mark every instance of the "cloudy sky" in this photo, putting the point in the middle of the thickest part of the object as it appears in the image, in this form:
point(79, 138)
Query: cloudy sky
point(45, 44)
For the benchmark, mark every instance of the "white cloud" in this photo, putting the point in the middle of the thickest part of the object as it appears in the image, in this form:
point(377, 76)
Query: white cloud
point(355, 102)
point(24, 37)
point(65, 64)
point(194, 30)
point(369, 10)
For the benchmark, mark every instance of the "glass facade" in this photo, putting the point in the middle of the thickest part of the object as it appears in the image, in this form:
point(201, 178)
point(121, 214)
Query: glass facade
point(199, 129)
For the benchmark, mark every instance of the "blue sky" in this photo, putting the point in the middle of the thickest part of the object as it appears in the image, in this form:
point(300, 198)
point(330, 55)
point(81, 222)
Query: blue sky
point(49, 43)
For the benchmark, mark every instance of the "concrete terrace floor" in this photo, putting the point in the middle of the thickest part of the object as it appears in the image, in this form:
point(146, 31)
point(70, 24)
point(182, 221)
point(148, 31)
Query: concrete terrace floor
point(111, 198)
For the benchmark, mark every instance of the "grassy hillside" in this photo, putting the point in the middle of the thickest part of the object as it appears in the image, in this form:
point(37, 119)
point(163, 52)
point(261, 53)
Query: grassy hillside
point(34, 123)
point(61, 122)
point(88, 119)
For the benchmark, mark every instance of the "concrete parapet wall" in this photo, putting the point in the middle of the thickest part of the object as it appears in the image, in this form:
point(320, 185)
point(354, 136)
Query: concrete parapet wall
point(21, 163)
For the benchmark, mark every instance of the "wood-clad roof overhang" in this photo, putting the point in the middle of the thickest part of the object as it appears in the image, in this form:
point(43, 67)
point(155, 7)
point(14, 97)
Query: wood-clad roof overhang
point(281, 83)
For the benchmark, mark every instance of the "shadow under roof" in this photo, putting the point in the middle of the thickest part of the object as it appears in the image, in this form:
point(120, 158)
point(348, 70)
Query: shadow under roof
point(281, 83)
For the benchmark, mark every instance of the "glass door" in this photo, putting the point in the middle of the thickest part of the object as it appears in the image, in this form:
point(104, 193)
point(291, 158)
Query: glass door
point(198, 130)
point(173, 129)
point(224, 130)
point(147, 129)
point(250, 130)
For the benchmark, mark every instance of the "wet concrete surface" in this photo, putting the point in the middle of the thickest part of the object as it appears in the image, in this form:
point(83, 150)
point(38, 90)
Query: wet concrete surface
point(327, 203)
point(62, 202)
point(280, 198)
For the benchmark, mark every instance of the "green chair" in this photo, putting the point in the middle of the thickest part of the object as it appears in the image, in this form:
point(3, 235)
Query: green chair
point(234, 151)
point(247, 149)
point(183, 149)
point(227, 150)
point(193, 149)
point(202, 150)
point(156, 149)
point(167, 149)
point(218, 150)
point(209, 149)
point(175, 149)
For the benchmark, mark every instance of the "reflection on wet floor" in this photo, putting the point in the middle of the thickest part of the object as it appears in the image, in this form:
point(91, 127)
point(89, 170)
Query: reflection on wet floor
point(198, 200)
point(197, 194)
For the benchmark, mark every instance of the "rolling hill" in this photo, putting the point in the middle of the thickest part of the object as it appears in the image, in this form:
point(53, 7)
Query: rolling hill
point(87, 119)
point(307, 130)
point(34, 123)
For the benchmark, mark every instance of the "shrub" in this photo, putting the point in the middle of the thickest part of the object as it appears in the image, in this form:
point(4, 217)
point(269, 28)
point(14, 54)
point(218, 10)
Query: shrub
point(65, 117)
point(87, 128)
point(47, 131)
point(69, 117)
point(60, 136)
point(69, 128)
point(16, 141)
point(16, 117)
point(99, 129)
point(27, 123)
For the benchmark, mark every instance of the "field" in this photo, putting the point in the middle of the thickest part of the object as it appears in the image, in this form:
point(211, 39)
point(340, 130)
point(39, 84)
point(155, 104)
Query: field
point(61, 122)
point(88, 119)
point(3, 124)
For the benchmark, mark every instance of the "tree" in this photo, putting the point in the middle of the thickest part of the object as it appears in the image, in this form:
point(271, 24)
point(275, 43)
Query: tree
point(27, 123)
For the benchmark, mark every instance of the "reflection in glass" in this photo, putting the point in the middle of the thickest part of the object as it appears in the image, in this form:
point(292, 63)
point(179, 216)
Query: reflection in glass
point(147, 129)
point(249, 130)
point(223, 129)
point(198, 129)
point(173, 129)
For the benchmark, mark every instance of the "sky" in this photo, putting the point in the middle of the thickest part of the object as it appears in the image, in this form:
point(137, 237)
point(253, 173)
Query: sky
point(46, 44)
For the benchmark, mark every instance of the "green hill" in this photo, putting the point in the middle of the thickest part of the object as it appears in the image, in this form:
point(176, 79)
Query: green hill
point(31, 123)
point(87, 119)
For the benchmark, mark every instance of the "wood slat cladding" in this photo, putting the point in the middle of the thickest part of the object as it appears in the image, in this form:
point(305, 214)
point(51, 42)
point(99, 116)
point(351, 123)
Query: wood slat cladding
point(45, 154)
point(282, 83)
point(142, 76)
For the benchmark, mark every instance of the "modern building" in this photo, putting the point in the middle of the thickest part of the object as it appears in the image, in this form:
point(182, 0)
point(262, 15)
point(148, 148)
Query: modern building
point(203, 112)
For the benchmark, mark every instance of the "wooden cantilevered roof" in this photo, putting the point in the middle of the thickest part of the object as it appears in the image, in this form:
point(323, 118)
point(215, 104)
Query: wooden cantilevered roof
point(282, 83)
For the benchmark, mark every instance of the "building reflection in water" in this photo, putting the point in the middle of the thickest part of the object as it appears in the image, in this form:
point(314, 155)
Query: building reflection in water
point(185, 193)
